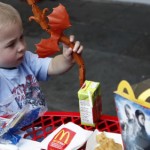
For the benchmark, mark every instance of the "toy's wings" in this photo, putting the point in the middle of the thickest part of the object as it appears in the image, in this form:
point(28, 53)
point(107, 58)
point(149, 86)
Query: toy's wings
point(58, 21)
point(47, 47)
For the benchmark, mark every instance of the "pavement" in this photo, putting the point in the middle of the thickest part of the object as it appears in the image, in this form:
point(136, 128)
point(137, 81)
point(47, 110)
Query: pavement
point(116, 39)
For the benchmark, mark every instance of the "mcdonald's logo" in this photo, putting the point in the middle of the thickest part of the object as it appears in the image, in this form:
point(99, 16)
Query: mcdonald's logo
point(61, 139)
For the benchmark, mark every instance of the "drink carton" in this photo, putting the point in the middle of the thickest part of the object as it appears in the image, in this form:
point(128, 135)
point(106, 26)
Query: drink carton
point(90, 104)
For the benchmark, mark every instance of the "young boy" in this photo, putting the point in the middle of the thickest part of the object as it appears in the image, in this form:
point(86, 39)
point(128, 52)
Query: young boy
point(20, 70)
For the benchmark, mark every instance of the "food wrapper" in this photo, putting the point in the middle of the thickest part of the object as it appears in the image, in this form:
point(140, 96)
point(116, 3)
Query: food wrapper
point(23, 144)
point(92, 143)
point(67, 137)
point(10, 126)
point(90, 104)
point(26, 144)
point(8, 122)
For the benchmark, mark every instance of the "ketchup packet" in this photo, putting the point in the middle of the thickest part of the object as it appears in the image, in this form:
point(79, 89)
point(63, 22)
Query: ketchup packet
point(67, 137)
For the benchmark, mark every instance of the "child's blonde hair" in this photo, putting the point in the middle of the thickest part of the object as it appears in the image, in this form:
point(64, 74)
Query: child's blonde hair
point(8, 15)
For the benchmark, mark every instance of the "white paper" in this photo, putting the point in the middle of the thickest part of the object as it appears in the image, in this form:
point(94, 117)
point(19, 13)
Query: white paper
point(8, 147)
point(23, 144)
point(78, 140)
point(26, 144)
point(91, 142)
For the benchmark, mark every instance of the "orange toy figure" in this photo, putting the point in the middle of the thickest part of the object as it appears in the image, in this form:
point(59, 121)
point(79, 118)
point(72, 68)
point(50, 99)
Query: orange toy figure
point(55, 23)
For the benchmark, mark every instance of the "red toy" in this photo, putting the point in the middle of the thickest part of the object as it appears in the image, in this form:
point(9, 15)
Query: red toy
point(55, 23)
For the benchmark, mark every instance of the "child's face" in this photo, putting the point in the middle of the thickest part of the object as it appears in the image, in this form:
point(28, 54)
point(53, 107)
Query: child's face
point(12, 45)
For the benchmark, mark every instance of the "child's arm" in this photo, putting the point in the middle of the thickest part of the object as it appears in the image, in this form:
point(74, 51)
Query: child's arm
point(64, 62)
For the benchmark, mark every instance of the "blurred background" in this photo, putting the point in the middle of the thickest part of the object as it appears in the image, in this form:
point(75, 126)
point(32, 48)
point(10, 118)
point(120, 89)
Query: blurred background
point(116, 39)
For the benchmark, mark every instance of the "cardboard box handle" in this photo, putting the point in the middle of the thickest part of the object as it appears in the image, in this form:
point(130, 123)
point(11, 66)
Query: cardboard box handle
point(125, 86)
point(124, 89)
point(144, 95)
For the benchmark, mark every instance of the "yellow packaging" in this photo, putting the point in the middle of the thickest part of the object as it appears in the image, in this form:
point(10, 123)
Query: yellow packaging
point(90, 104)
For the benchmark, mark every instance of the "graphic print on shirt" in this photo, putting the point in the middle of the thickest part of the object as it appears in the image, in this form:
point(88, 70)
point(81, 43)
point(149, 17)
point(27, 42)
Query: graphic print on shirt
point(29, 93)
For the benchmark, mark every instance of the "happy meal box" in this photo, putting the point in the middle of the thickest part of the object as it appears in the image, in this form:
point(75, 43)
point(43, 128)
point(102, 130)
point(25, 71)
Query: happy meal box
point(134, 117)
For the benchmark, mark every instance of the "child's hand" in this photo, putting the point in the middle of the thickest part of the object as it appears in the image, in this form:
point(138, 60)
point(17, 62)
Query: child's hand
point(67, 51)
point(63, 62)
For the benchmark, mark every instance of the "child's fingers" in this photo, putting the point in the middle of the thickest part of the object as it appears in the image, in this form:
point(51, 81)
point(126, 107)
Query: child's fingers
point(80, 49)
point(72, 37)
point(76, 46)
point(69, 51)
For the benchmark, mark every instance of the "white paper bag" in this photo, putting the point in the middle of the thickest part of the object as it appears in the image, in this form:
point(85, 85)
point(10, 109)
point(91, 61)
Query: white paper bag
point(67, 137)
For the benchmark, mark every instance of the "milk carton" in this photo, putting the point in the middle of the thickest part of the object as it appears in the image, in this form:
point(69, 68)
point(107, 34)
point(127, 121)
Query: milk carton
point(90, 104)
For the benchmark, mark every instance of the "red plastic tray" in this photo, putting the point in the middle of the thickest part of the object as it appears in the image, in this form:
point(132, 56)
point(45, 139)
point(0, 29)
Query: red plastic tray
point(51, 120)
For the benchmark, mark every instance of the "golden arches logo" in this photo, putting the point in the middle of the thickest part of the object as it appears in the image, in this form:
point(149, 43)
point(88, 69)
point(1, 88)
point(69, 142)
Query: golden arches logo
point(65, 135)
